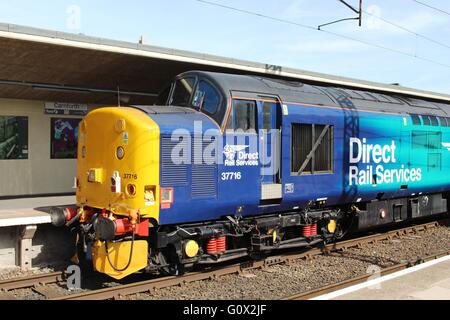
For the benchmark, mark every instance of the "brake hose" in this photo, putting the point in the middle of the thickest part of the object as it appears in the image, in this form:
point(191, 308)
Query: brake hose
point(129, 260)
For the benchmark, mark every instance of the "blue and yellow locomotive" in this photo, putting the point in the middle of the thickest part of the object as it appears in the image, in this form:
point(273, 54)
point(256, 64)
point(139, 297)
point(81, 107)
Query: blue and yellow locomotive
point(233, 165)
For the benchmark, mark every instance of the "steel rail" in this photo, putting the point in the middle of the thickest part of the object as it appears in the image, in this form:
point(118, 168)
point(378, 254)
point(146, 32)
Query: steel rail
point(35, 280)
point(121, 291)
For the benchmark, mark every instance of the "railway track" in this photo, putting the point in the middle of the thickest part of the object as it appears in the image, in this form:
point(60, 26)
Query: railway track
point(38, 283)
point(121, 291)
point(32, 281)
point(364, 278)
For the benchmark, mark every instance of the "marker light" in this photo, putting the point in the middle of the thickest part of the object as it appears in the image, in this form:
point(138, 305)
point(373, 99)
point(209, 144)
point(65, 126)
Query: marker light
point(120, 125)
point(120, 153)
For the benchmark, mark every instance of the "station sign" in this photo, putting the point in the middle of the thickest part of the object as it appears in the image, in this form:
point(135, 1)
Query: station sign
point(69, 109)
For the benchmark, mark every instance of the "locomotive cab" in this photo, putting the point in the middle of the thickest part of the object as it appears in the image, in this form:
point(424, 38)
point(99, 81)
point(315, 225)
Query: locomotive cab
point(244, 118)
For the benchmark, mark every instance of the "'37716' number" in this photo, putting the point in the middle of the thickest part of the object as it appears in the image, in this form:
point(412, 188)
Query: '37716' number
point(228, 176)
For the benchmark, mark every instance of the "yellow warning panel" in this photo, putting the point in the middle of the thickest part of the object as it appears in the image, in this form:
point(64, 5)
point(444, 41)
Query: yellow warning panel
point(119, 255)
point(121, 153)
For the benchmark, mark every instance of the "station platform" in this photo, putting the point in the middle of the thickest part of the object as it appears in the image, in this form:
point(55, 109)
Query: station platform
point(20, 219)
point(428, 281)
point(18, 212)
point(36, 203)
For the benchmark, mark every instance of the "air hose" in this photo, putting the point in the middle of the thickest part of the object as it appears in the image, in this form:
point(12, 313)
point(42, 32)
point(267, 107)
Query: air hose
point(129, 260)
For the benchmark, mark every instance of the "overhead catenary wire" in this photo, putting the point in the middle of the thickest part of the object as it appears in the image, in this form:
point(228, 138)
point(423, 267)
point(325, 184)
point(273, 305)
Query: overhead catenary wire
point(398, 26)
point(408, 30)
point(257, 14)
point(432, 7)
point(374, 45)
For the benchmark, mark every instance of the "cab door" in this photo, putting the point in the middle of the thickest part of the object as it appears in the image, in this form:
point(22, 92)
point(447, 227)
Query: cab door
point(269, 131)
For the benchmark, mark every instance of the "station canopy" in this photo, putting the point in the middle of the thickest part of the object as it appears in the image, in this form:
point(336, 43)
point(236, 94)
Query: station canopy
point(45, 65)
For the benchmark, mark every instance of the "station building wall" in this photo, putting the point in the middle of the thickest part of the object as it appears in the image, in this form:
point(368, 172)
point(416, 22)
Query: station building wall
point(37, 173)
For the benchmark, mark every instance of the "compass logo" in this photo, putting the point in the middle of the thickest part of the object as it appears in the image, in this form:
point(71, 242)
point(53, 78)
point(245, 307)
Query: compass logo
point(231, 151)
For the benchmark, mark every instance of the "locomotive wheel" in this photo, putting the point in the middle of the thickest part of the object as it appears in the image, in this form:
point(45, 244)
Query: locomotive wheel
point(169, 264)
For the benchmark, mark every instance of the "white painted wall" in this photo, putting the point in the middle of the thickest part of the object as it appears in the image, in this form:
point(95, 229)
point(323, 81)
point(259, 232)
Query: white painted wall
point(39, 174)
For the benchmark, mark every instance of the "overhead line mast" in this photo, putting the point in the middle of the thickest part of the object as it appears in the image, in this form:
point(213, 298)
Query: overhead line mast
point(343, 36)
point(357, 11)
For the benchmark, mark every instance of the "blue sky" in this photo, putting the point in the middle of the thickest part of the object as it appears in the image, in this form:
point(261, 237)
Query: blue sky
point(191, 25)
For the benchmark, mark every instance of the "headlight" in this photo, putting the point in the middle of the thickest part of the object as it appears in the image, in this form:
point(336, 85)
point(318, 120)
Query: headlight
point(120, 153)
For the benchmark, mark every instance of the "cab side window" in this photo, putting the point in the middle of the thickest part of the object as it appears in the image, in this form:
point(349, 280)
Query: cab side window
point(245, 115)
point(183, 91)
point(207, 98)
point(163, 96)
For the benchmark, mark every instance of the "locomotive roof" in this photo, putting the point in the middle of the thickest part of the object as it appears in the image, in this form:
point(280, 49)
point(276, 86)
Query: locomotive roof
point(290, 91)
